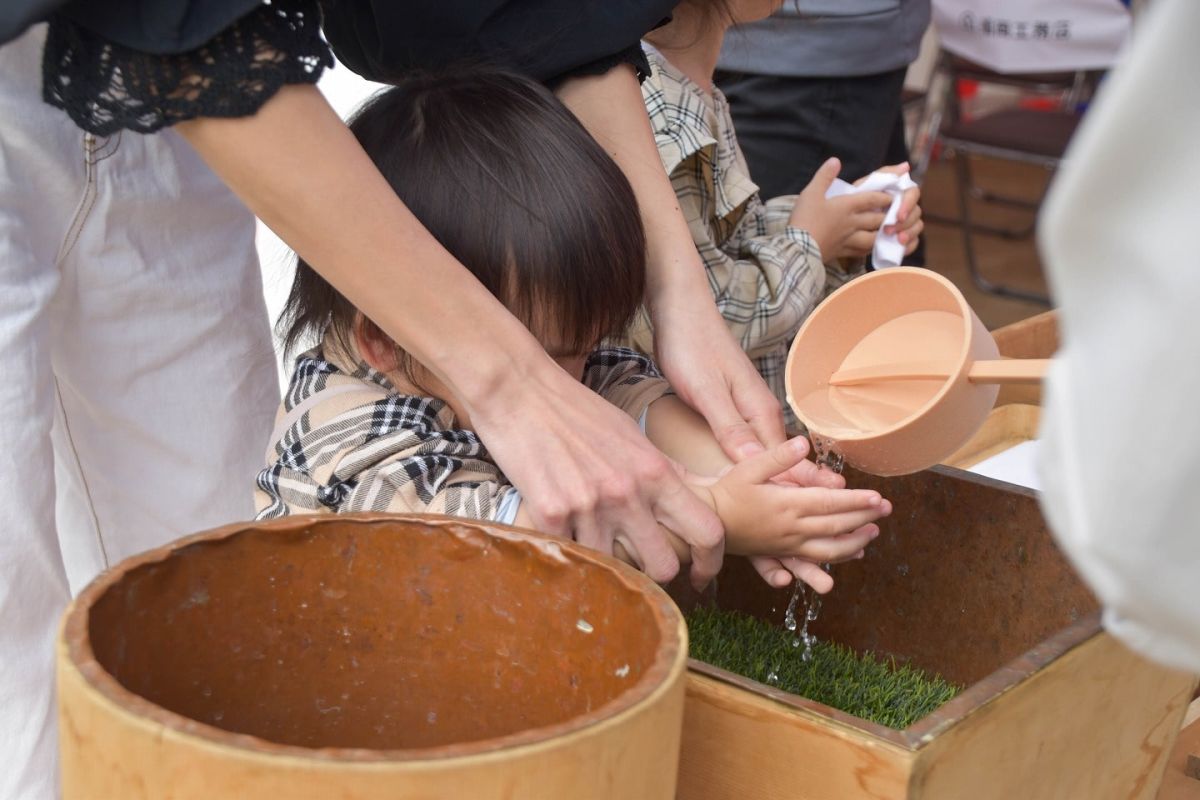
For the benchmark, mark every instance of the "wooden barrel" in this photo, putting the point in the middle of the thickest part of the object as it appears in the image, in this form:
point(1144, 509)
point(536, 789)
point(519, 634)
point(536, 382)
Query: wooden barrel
point(371, 656)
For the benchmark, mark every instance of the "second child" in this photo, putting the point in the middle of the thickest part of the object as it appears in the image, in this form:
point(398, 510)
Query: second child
point(768, 263)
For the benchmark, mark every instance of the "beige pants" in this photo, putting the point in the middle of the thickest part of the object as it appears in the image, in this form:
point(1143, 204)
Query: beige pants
point(137, 379)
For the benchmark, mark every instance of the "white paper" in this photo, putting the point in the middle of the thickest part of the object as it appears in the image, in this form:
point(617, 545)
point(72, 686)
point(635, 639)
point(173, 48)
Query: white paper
point(888, 252)
point(1017, 464)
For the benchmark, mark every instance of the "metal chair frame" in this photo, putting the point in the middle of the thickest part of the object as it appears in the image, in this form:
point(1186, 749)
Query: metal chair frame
point(1071, 87)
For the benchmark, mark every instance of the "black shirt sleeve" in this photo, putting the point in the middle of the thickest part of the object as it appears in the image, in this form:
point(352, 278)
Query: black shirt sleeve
point(547, 40)
point(106, 86)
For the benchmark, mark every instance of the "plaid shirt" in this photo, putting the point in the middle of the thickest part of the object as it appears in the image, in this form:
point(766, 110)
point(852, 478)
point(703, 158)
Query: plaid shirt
point(347, 440)
point(766, 275)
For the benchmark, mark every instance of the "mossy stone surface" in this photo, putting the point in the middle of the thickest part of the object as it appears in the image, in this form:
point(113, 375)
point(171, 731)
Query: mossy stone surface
point(878, 690)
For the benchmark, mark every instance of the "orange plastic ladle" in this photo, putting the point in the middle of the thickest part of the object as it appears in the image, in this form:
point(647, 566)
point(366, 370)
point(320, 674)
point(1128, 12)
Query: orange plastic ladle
point(1001, 370)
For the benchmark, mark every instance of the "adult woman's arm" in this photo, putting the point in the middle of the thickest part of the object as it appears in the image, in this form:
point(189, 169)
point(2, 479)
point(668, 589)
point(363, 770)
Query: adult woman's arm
point(584, 468)
point(694, 347)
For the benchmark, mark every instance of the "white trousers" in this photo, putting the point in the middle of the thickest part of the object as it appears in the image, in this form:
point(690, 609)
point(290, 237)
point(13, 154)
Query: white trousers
point(137, 378)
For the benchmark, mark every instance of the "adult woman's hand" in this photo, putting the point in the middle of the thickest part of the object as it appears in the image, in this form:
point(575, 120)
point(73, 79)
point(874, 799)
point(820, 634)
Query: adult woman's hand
point(692, 343)
point(708, 369)
point(584, 468)
point(591, 473)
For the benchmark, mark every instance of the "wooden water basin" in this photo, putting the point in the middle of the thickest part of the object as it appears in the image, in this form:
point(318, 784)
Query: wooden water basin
point(965, 581)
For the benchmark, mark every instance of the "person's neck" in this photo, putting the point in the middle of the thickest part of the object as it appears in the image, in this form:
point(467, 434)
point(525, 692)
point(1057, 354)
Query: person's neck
point(691, 43)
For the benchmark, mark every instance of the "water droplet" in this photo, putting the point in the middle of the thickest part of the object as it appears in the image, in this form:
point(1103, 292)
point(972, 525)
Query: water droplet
point(584, 626)
point(622, 671)
point(431, 717)
point(789, 617)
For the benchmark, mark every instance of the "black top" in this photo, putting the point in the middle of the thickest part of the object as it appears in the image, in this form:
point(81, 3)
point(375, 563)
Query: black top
point(146, 64)
point(150, 26)
point(105, 86)
point(544, 39)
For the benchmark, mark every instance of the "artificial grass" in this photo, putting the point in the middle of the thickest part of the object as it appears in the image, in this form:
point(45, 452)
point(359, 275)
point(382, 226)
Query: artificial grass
point(869, 688)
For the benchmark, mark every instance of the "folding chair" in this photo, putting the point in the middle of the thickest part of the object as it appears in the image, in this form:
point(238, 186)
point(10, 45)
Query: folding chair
point(1024, 135)
point(1017, 134)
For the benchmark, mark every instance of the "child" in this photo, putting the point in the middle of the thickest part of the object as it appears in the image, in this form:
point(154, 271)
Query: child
point(510, 183)
point(766, 262)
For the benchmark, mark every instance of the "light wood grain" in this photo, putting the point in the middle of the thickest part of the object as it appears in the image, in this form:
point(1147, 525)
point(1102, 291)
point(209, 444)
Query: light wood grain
point(739, 746)
point(1098, 723)
point(1177, 784)
point(109, 753)
point(1005, 427)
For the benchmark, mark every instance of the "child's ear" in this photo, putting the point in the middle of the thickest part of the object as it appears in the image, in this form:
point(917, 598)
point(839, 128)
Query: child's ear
point(374, 346)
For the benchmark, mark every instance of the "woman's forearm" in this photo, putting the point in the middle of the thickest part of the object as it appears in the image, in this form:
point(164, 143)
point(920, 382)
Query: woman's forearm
point(298, 167)
point(610, 106)
point(691, 343)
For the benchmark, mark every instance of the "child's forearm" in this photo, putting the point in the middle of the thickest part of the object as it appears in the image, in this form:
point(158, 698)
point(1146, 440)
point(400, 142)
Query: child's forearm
point(684, 436)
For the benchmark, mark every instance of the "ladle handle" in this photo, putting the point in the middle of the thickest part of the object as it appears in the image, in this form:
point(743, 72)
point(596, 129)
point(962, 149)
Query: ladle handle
point(1004, 370)
point(1009, 370)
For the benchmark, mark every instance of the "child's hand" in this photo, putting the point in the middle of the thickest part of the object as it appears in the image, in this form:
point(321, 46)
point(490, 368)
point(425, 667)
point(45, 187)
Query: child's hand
point(780, 572)
point(783, 571)
point(842, 227)
point(813, 523)
point(908, 219)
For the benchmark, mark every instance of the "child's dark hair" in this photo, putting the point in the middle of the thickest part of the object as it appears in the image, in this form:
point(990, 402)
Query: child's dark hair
point(506, 178)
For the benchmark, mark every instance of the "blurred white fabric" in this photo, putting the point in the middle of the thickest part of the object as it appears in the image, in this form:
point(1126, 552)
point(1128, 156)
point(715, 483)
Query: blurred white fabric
point(1121, 432)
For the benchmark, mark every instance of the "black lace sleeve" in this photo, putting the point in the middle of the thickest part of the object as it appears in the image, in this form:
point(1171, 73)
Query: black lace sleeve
point(106, 87)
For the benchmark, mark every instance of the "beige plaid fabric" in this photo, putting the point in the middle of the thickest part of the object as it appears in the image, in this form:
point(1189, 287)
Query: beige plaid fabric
point(765, 275)
point(347, 440)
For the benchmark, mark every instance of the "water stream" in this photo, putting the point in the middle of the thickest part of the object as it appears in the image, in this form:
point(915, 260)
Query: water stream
point(827, 456)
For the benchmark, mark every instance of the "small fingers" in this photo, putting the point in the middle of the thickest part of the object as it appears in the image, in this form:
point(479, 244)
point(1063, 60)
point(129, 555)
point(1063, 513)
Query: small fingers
point(819, 502)
point(858, 244)
point(812, 574)
point(772, 571)
point(774, 461)
point(837, 524)
point(908, 203)
point(806, 473)
point(868, 201)
point(844, 547)
point(911, 237)
point(905, 222)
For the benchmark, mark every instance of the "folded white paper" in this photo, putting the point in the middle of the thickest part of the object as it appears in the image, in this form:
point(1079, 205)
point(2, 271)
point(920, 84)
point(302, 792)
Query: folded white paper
point(888, 250)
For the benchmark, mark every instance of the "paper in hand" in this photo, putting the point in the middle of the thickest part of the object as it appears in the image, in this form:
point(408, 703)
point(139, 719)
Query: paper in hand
point(888, 250)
